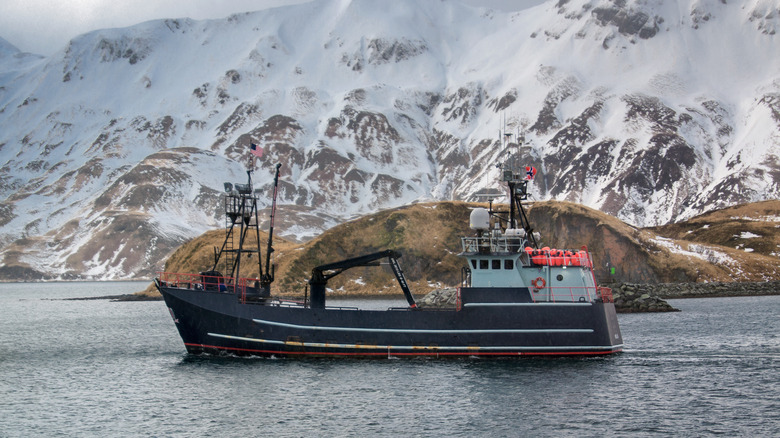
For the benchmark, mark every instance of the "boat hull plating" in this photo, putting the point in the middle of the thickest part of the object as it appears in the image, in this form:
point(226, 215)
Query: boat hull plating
point(219, 323)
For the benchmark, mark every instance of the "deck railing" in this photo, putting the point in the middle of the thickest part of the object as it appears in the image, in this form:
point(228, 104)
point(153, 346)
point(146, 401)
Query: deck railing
point(225, 285)
point(206, 282)
point(221, 284)
point(605, 294)
point(494, 244)
point(542, 256)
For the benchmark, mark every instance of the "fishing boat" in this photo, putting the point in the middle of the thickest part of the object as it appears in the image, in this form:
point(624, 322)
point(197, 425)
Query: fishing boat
point(515, 298)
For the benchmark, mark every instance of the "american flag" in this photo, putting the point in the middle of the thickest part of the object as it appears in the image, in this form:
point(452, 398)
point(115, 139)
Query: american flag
point(256, 151)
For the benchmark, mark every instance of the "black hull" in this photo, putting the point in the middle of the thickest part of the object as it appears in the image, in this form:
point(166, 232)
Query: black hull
point(219, 323)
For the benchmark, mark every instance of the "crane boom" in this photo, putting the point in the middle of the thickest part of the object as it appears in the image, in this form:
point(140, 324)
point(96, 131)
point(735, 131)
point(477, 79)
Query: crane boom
point(319, 277)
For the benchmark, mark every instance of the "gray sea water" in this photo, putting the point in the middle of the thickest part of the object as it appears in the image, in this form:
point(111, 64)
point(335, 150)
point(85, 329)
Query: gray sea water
point(101, 368)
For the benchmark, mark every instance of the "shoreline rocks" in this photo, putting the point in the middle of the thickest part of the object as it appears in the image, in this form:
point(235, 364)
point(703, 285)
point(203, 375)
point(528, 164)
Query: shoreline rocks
point(705, 290)
point(639, 298)
point(439, 298)
point(631, 299)
point(635, 297)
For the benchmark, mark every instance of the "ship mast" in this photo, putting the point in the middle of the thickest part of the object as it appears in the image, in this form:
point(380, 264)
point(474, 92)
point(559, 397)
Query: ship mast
point(241, 212)
point(517, 177)
point(268, 277)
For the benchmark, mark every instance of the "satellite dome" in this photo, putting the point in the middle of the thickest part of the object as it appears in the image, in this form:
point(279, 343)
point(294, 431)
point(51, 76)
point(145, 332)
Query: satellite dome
point(479, 219)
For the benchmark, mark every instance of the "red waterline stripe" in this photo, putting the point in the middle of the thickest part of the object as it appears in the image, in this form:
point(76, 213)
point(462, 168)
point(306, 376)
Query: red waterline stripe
point(390, 353)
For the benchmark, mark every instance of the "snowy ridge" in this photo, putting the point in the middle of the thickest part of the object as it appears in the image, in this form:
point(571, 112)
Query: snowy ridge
point(114, 149)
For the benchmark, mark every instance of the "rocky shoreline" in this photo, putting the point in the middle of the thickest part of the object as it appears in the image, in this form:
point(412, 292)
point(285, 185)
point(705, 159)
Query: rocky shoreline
point(704, 290)
point(636, 298)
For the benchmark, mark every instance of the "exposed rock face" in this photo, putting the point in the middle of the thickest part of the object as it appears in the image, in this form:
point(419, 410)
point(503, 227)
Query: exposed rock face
point(627, 20)
point(617, 244)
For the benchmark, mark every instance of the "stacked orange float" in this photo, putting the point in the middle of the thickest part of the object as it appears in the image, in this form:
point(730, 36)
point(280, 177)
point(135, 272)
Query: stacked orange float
point(558, 257)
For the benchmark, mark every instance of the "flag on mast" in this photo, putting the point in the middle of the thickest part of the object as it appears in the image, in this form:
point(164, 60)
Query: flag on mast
point(256, 151)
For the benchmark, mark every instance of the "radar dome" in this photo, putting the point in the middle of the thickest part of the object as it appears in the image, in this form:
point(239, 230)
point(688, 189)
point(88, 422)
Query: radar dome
point(479, 219)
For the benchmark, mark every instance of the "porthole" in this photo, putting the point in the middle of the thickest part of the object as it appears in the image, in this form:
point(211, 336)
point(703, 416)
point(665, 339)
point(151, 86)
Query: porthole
point(559, 277)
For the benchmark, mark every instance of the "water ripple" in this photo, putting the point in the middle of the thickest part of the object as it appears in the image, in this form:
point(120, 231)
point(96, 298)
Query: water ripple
point(96, 368)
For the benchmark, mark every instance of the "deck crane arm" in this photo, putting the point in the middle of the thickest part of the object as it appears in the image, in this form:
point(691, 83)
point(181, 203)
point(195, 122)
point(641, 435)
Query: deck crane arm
point(321, 274)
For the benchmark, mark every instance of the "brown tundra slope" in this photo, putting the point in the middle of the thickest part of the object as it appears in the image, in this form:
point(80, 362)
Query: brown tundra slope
point(739, 243)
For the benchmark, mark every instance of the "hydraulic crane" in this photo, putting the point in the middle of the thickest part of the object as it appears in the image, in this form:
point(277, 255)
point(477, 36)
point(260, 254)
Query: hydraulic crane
point(319, 277)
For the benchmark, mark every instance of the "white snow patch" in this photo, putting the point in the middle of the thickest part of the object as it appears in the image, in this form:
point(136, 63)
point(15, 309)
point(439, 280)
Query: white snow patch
point(695, 250)
point(767, 218)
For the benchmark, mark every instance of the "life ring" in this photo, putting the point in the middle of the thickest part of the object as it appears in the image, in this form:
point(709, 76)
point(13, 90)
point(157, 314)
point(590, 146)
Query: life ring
point(539, 283)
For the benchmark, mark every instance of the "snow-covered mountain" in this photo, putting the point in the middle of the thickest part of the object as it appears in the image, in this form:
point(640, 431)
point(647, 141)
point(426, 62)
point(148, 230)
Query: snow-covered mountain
point(115, 149)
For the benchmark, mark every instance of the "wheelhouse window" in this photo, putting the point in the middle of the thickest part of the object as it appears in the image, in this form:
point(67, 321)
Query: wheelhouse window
point(509, 264)
point(496, 264)
point(473, 263)
point(483, 264)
